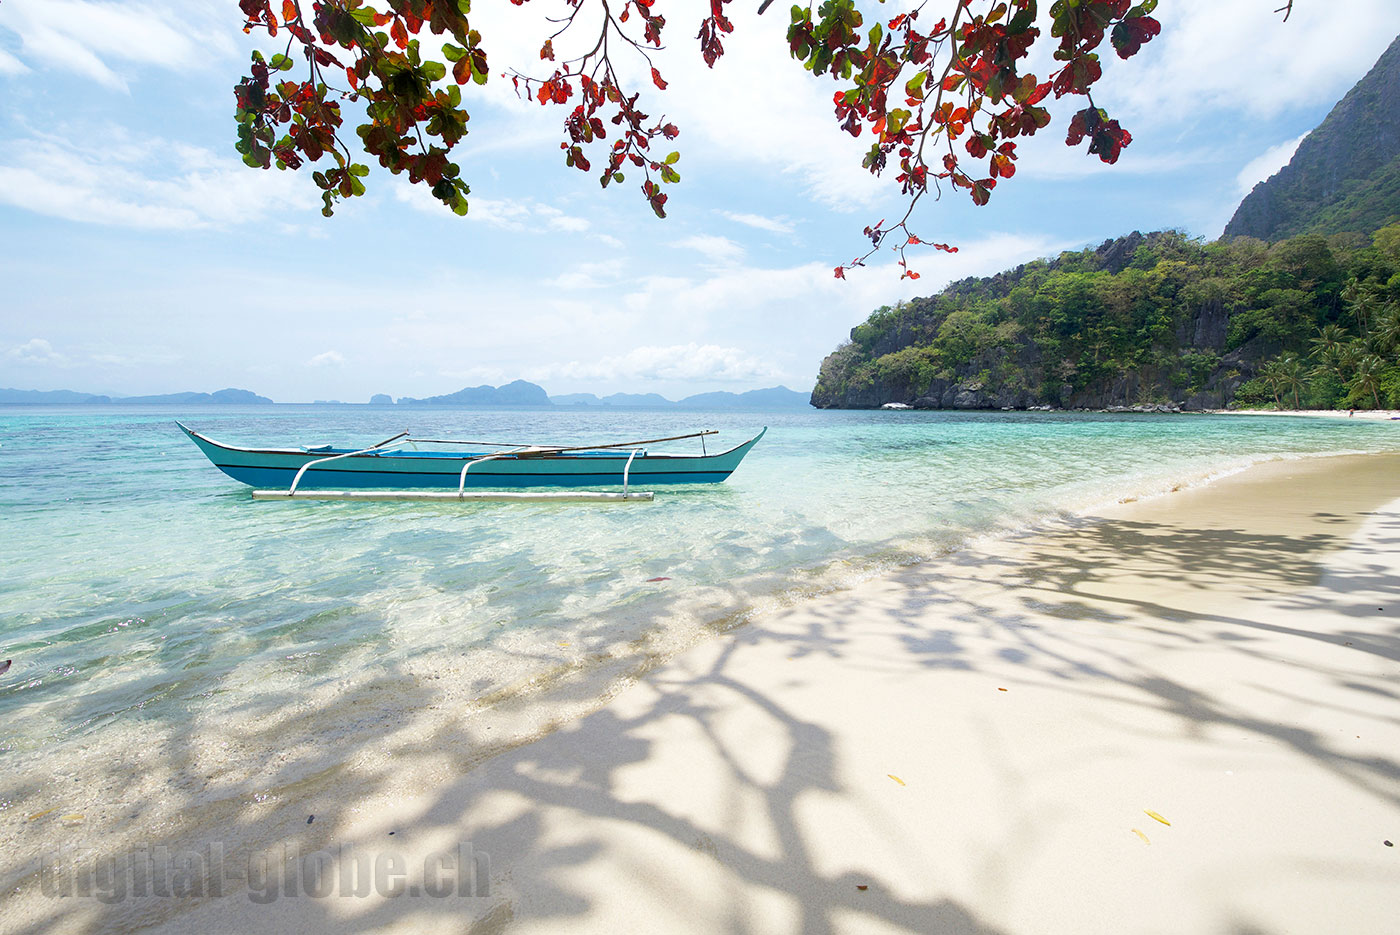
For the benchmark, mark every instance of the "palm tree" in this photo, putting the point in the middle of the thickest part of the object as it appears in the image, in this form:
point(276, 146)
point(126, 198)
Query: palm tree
point(1290, 376)
point(1328, 337)
point(1272, 375)
point(1326, 364)
point(1361, 302)
point(1388, 328)
point(1347, 356)
point(1367, 378)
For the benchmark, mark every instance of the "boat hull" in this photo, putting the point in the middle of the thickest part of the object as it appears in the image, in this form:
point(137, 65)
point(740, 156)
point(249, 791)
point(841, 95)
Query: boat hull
point(269, 469)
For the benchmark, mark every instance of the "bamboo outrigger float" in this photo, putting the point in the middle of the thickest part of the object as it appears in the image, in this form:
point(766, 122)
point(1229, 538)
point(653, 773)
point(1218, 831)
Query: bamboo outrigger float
point(380, 472)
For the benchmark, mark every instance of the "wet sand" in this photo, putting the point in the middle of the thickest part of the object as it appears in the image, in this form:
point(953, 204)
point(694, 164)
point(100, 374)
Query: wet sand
point(1182, 715)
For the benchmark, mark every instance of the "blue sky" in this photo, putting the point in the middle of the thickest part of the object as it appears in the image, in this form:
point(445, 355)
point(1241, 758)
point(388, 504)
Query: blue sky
point(142, 257)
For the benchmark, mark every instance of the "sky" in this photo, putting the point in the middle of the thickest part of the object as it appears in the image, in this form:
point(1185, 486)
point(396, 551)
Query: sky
point(140, 255)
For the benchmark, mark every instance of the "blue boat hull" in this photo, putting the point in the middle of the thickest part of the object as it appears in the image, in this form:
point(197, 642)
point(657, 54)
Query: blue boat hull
point(276, 468)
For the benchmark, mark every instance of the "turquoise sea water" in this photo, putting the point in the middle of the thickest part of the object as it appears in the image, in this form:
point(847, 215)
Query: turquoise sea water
point(144, 591)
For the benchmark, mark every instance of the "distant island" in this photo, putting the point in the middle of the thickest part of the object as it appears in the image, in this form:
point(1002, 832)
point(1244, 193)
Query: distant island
point(12, 397)
point(516, 393)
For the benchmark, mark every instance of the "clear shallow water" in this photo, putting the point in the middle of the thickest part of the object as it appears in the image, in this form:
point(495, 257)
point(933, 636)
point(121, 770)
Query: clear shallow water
point(141, 590)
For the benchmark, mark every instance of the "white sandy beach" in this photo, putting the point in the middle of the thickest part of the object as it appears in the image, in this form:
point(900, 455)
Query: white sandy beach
point(981, 744)
point(1371, 414)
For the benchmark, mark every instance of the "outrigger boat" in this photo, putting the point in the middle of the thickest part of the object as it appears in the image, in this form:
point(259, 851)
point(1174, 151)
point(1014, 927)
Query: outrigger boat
point(406, 472)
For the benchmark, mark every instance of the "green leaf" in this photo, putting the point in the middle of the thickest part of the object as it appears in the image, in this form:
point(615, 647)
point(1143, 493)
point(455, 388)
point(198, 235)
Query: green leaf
point(281, 62)
point(364, 16)
point(452, 52)
point(358, 169)
point(434, 71)
point(617, 176)
point(673, 159)
point(464, 7)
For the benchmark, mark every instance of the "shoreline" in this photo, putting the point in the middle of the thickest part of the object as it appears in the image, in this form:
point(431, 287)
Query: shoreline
point(1371, 414)
point(730, 775)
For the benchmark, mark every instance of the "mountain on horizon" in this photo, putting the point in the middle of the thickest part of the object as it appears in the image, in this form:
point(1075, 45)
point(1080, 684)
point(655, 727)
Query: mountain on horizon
point(516, 393)
point(12, 397)
point(1344, 176)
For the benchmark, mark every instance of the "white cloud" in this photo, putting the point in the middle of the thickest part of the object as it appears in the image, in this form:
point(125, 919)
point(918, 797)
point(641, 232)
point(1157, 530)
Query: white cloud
point(757, 108)
point(588, 275)
point(149, 185)
point(1267, 163)
point(716, 249)
point(87, 37)
point(35, 351)
point(326, 359)
point(1242, 56)
point(677, 362)
point(557, 220)
point(788, 125)
point(773, 225)
point(9, 65)
point(512, 215)
point(1045, 156)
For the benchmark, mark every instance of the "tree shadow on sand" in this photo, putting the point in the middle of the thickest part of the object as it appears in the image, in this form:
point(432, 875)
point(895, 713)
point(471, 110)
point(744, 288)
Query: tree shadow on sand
point(551, 813)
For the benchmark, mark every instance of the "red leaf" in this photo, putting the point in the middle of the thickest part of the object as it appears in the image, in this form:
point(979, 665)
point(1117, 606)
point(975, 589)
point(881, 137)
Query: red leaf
point(657, 79)
point(840, 272)
point(289, 10)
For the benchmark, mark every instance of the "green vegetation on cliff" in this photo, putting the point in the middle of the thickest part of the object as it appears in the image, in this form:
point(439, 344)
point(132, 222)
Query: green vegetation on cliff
point(1156, 319)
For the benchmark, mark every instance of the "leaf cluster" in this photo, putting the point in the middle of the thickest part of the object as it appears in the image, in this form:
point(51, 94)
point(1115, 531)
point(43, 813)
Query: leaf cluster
point(943, 103)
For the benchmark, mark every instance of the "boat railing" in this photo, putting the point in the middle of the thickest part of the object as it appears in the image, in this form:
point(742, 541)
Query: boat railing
point(556, 449)
point(462, 479)
point(627, 468)
point(349, 454)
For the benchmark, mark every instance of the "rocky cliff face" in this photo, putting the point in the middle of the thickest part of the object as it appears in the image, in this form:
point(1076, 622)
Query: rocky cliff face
point(1340, 170)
